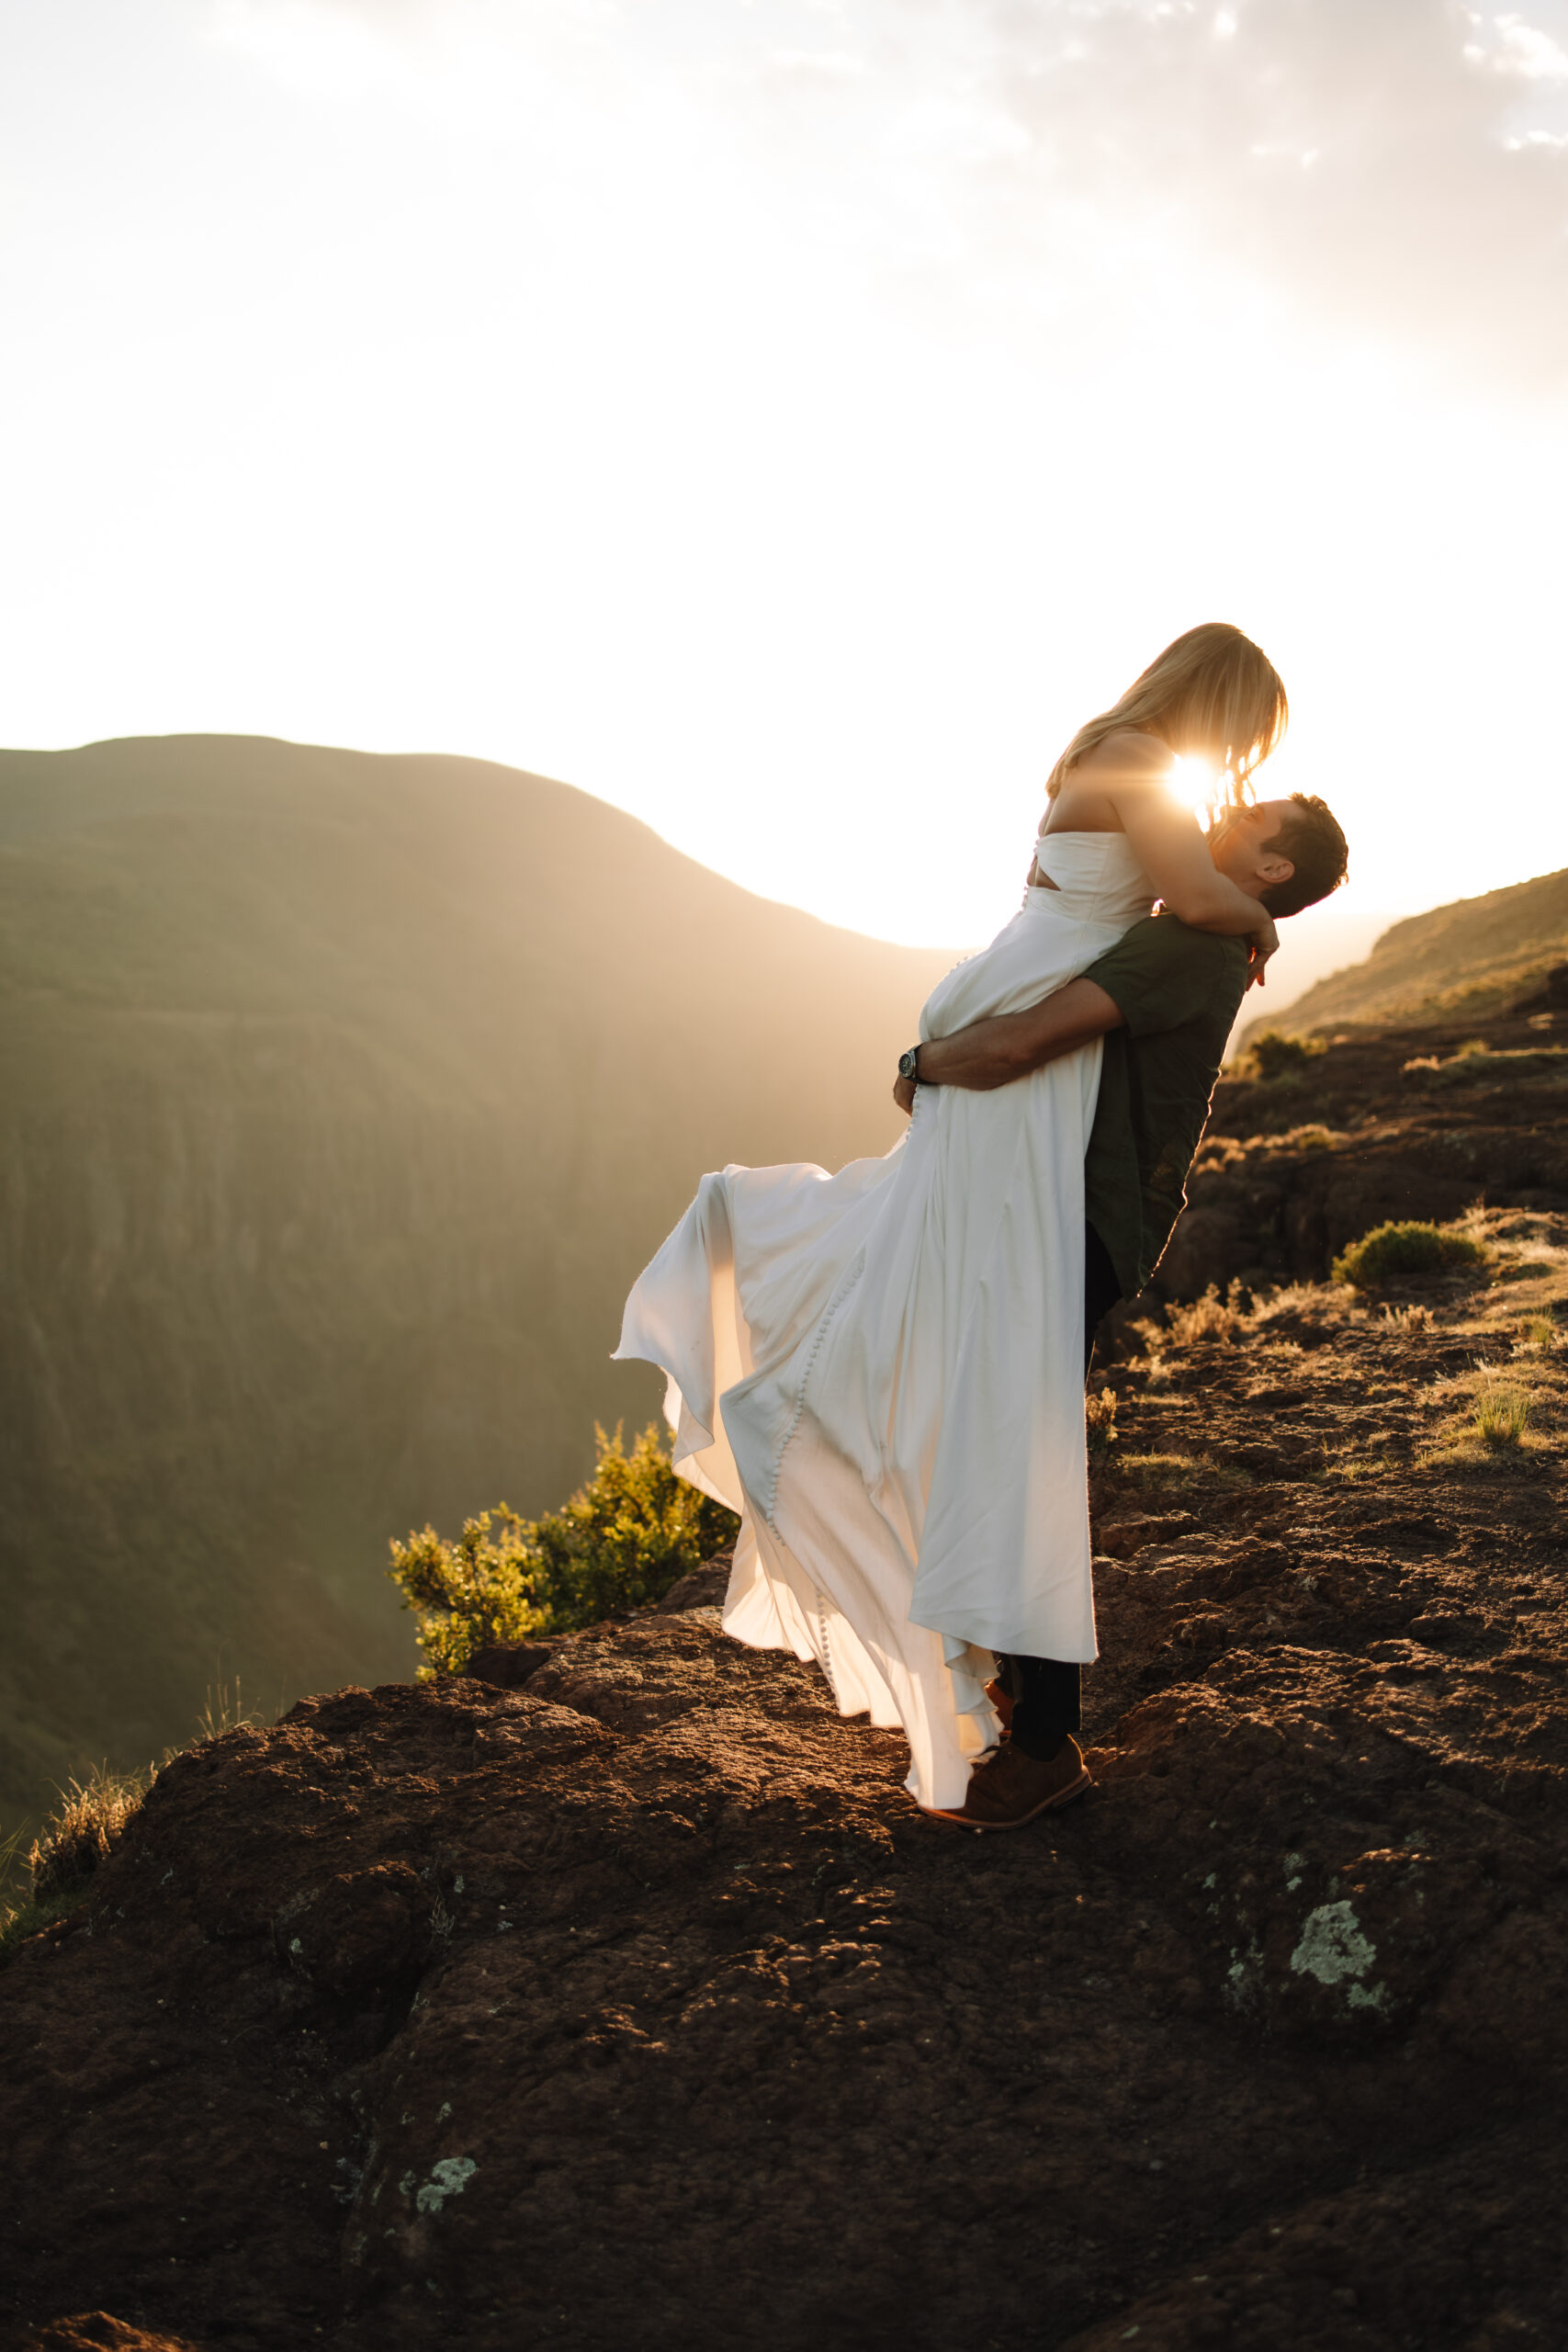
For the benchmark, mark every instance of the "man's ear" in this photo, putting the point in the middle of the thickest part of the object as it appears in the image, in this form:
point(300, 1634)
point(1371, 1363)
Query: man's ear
point(1272, 869)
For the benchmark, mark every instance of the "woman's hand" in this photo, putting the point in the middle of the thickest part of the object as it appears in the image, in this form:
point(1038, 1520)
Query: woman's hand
point(904, 1094)
point(1261, 944)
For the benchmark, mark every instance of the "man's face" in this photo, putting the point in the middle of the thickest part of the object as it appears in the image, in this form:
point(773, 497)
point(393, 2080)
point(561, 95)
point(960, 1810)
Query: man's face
point(1239, 847)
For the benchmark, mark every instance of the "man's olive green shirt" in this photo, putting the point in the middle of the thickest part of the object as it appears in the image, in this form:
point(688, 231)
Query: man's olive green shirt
point(1178, 991)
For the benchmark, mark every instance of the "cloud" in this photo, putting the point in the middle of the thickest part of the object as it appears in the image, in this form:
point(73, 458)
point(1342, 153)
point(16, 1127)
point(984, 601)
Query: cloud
point(1369, 162)
point(1525, 51)
point(1395, 168)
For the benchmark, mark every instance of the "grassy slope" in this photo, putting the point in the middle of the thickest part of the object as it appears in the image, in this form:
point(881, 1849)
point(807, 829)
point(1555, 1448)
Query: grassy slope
point(1457, 963)
point(345, 1097)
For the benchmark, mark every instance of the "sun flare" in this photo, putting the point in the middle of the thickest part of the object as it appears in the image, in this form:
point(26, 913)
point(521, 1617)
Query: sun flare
point(1192, 782)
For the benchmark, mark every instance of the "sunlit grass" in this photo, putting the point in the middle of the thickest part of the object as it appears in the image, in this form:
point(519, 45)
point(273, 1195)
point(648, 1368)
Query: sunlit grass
point(223, 1711)
point(1539, 1335)
point(89, 1820)
point(1099, 1421)
point(1293, 1298)
point(88, 1824)
point(1491, 1416)
point(1360, 1469)
point(1209, 1318)
point(1181, 1474)
point(1502, 1413)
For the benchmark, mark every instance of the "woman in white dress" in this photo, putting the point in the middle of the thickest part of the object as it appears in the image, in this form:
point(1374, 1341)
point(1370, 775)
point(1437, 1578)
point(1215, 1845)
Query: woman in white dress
point(881, 1370)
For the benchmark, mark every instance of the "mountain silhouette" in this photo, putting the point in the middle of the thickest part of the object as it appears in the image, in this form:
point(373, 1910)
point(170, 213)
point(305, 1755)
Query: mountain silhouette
point(345, 1096)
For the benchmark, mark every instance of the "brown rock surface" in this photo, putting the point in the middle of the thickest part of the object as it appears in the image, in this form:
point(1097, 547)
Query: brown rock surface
point(99, 2331)
point(1384, 1123)
point(638, 2006)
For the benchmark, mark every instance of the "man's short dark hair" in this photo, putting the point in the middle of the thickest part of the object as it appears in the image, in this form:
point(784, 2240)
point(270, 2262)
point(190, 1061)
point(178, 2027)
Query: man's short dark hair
point(1310, 837)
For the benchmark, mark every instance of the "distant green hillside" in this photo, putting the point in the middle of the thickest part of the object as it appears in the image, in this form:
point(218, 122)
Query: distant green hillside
point(1468, 960)
point(343, 1097)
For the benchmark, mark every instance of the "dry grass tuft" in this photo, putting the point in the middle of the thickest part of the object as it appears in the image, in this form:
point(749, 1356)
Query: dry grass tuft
point(1314, 1136)
point(1502, 1412)
point(1360, 1468)
point(84, 1831)
point(10, 1848)
point(1405, 1319)
point(88, 1824)
point(1291, 1299)
point(1099, 1421)
point(1539, 1335)
point(223, 1711)
point(1209, 1318)
point(1178, 1477)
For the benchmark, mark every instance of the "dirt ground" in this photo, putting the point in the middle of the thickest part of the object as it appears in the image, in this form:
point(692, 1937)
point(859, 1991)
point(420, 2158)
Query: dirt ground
point(638, 2006)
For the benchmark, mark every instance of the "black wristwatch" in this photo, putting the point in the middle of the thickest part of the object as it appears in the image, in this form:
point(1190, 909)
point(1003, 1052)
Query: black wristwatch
point(909, 1064)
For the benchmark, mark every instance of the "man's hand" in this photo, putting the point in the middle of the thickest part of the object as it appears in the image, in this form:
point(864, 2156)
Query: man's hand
point(1007, 1045)
point(1261, 944)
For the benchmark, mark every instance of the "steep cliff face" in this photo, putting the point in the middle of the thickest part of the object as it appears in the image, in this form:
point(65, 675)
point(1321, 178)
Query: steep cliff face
point(344, 1099)
point(636, 2005)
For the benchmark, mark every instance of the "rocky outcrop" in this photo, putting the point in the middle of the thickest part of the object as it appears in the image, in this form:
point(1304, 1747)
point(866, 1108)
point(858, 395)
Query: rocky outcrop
point(636, 2005)
point(1383, 1124)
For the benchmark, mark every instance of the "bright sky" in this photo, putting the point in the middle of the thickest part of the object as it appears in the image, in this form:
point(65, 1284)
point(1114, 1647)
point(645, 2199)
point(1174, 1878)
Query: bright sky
point(789, 419)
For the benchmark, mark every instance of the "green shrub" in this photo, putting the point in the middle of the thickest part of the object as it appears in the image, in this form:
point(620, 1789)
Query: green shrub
point(1274, 1054)
point(1408, 1246)
point(468, 1593)
point(620, 1543)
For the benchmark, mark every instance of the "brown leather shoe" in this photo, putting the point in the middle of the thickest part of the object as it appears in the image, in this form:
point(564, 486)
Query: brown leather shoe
point(1000, 1698)
point(1009, 1788)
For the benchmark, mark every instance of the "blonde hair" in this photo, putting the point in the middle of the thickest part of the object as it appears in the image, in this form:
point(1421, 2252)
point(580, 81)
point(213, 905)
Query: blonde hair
point(1213, 689)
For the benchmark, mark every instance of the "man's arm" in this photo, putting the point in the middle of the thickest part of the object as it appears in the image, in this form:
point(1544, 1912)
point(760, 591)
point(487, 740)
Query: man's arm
point(1159, 975)
point(1009, 1045)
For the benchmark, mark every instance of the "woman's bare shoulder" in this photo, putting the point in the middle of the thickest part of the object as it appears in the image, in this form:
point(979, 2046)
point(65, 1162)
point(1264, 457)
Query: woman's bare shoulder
point(1129, 754)
point(1121, 768)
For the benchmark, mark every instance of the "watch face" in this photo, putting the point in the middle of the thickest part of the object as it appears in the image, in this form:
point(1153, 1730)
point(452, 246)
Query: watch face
point(907, 1063)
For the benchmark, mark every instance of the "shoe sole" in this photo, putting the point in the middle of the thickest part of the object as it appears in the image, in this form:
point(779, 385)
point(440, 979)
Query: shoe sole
point(1047, 1805)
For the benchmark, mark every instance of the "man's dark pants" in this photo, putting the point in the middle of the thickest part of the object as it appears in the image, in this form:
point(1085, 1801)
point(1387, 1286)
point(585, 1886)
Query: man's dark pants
point(1046, 1691)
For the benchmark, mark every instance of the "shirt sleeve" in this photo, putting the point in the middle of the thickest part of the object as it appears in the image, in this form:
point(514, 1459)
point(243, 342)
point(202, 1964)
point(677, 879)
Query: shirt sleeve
point(1162, 973)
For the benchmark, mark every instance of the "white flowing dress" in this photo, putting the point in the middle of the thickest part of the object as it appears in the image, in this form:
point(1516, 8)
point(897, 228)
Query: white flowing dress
point(882, 1370)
